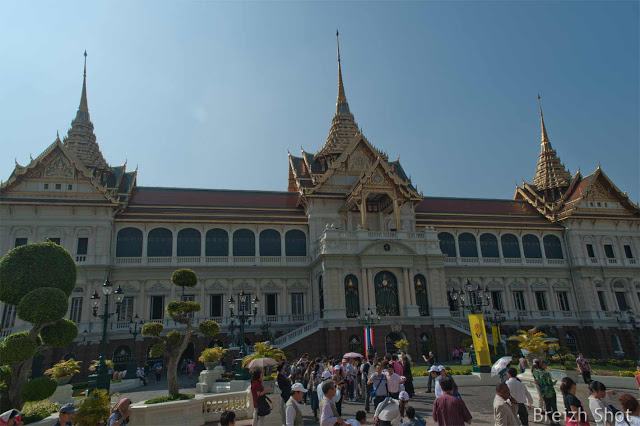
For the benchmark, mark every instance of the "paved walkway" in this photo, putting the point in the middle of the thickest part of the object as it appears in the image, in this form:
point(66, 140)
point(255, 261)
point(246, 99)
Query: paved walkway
point(479, 400)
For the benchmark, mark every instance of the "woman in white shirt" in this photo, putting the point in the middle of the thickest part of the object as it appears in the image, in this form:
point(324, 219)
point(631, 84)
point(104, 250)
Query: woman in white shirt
point(629, 405)
point(521, 394)
point(601, 411)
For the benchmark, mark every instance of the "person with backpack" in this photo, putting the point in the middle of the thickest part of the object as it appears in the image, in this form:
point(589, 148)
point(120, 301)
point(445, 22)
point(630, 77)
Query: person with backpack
point(258, 391)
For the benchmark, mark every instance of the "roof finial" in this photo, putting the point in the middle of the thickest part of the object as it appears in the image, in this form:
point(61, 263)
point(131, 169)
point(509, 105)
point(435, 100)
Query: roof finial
point(598, 164)
point(83, 109)
point(85, 63)
point(545, 138)
point(341, 105)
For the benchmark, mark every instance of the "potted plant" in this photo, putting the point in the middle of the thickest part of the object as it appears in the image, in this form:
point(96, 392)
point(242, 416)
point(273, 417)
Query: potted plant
point(94, 365)
point(402, 345)
point(264, 350)
point(534, 342)
point(63, 370)
point(211, 357)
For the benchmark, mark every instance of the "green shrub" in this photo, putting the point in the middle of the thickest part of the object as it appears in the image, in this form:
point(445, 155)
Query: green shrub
point(94, 409)
point(157, 350)
point(178, 397)
point(152, 329)
point(173, 338)
point(177, 309)
point(568, 365)
point(17, 348)
point(33, 266)
point(209, 328)
point(60, 334)
point(44, 304)
point(38, 389)
point(35, 411)
point(184, 278)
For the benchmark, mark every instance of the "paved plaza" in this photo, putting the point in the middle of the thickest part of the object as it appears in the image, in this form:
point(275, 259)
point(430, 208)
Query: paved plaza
point(479, 400)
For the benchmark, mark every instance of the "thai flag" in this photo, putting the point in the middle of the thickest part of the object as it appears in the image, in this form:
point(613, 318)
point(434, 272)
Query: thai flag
point(368, 340)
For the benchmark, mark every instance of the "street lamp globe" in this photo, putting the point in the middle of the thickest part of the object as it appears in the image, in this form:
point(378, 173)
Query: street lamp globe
point(107, 287)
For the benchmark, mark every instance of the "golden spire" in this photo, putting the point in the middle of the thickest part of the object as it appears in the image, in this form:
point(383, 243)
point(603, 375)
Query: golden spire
point(83, 109)
point(341, 104)
point(545, 138)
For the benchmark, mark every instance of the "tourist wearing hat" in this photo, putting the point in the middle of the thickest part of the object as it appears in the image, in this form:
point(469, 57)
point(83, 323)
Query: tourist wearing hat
point(443, 375)
point(120, 413)
point(434, 372)
point(326, 375)
point(11, 418)
point(66, 415)
point(293, 413)
point(391, 411)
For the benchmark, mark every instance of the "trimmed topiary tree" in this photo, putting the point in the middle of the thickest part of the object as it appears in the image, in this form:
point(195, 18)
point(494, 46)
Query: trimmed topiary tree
point(38, 279)
point(175, 343)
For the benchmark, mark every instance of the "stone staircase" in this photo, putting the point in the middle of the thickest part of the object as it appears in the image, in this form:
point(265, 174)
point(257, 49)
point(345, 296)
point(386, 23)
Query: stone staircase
point(297, 334)
point(463, 327)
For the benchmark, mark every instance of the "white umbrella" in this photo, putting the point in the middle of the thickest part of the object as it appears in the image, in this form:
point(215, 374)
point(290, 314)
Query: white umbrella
point(262, 363)
point(500, 365)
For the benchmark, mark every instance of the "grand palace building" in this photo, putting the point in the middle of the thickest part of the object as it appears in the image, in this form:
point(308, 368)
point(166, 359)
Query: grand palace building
point(350, 237)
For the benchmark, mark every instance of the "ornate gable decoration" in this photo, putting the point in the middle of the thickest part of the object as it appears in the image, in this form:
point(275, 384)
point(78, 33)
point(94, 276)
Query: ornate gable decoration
point(59, 167)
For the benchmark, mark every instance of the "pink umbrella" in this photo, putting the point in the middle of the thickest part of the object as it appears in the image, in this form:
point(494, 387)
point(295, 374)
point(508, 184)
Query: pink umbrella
point(352, 355)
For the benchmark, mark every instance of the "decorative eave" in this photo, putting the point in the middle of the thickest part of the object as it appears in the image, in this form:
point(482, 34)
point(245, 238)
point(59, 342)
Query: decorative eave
point(19, 171)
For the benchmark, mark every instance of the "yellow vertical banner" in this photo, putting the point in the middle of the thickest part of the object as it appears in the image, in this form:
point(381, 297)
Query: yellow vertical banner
point(480, 343)
point(495, 333)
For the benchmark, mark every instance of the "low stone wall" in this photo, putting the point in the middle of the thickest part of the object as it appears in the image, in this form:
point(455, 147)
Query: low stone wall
point(204, 408)
point(125, 385)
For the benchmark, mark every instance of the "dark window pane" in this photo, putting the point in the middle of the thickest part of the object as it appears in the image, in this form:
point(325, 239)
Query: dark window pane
point(622, 301)
point(608, 251)
point(552, 247)
point(496, 298)
point(297, 303)
point(159, 243)
point(447, 244)
point(590, 251)
point(468, 247)
point(271, 304)
point(244, 243)
point(489, 245)
point(83, 245)
point(54, 240)
point(217, 242)
point(531, 247)
point(157, 307)
point(541, 300)
point(189, 242)
point(129, 243)
point(321, 296)
point(386, 291)
point(351, 296)
point(270, 243)
point(422, 299)
point(603, 302)
point(215, 305)
point(21, 242)
point(295, 243)
point(627, 252)
point(510, 246)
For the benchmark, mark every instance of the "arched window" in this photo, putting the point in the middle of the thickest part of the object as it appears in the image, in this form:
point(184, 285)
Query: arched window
point(159, 242)
point(295, 243)
point(489, 245)
point(571, 342)
point(244, 243)
point(386, 288)
point(447, 244)
point(531, 247)
point(425, 343)
point(321, 296)
point(420, 285)
point(510, 246)
point(351, 296)
point(189, 242)
point(129, 243)
point(615, 343)
point(270, 244)
point(355, 344)
point(468, 247)
point(121, 357)
point(552, 247)
point(216, 242)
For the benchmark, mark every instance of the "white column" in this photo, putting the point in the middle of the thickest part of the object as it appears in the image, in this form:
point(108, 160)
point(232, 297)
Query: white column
point(371, 289)
point(145, 242)
point(363, 289)
point(203, 244)
point(174, 243)
point(257, 243)
point(283, 251)
point(142, 296)
point(230, 233)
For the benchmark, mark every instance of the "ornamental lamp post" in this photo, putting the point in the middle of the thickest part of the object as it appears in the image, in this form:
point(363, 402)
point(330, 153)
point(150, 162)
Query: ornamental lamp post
point(101, 379)
point(247, 310)
point(496, 318)
point(468, 302)
point(133, 330)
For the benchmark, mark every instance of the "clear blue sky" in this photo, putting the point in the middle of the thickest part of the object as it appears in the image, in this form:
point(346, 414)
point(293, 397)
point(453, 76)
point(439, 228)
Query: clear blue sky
point(211, 95)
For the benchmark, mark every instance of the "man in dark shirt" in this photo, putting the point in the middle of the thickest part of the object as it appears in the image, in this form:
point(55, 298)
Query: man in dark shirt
point(284, 383)
point(449, 410)
point(431, 361)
